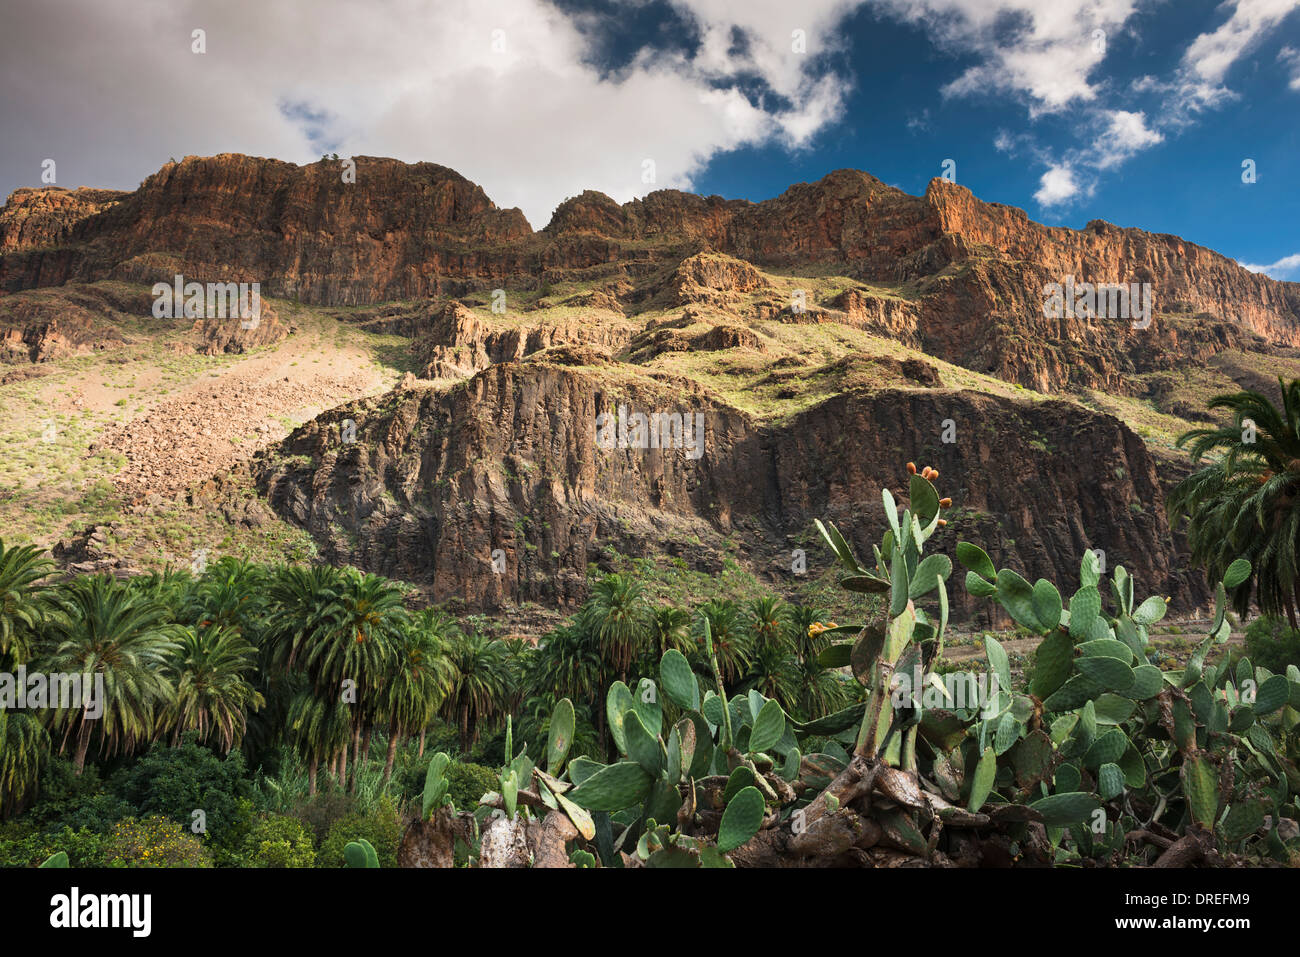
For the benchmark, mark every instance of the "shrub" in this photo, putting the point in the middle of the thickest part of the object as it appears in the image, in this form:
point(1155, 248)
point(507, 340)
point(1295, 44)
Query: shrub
point(154, 841)
point(1271, 643)
point(469, 782)
point(76, 801)
point(323, 810)
point(279, 841)
point(381, 826)
point(178, 781)
point(23, 846)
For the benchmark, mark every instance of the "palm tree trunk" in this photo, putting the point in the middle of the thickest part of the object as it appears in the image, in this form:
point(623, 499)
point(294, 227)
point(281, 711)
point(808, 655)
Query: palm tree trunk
point(392, 751)
point(356, 756)
point(83, 745)
point(311, 776)
point(464, 729)
point(343, 768)
point(423, 732)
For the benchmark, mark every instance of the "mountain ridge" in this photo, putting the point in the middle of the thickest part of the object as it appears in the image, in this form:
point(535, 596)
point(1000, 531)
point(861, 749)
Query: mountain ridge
point(829, 335)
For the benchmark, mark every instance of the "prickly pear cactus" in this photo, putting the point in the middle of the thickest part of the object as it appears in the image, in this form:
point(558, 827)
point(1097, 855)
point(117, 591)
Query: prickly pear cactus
point(1099, 756)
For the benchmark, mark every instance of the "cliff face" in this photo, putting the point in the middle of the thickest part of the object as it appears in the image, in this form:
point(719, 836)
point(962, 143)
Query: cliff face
point(1186, 278)
point(437, 481)
point(975, 272)
point(34, 218)
point(397, 232)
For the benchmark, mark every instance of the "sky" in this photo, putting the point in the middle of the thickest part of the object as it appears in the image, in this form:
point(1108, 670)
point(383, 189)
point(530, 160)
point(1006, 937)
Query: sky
point(1175, 116)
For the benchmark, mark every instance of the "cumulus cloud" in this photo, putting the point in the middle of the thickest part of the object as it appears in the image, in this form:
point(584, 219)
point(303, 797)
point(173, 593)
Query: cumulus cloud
point(506, 93)
point(1058, 186)
point(1126, 134)
point(1047, 51)
point(1200, 83)
point(1288, 267)
point(1043, 50)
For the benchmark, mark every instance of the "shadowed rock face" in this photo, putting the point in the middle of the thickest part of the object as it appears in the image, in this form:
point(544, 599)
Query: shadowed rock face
point(508, 460)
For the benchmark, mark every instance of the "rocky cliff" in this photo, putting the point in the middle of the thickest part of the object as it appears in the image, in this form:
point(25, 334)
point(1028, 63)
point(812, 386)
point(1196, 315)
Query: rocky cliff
point(824, 335)
point(428, 484)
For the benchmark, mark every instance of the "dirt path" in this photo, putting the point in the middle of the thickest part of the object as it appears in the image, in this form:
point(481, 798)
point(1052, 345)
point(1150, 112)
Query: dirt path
point(231, 413)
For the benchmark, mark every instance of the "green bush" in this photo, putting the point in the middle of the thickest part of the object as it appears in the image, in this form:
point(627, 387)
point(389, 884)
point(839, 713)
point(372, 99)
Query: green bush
point(154, 841)
point(469, 782)
point(22, 846)
point(76, 801)
point(178, 781)
point(381, 826)
point(279, 841)
point(1272, 643)
point(323, 810)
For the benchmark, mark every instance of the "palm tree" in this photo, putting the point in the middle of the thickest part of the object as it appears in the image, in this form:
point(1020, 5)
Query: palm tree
point(567, 664)
point(23, 599)
point(213, 692)
point(821, 691)
point(774, 672)
point(302, 602)
point(171, 587)
point(808, 643)
point(231, 593)
point(24, 747)
point(1247, 504)
point(421, 679)
point(769, 624)
point(357, 646)
point(105, 631)
point(731, 641)
point(616, 614)
point(670, 628)
point(318, 728)
point(482, 685)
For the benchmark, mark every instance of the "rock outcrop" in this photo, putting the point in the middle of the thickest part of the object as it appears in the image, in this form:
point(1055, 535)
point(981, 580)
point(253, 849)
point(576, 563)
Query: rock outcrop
point(436, 481)
point(36, 218)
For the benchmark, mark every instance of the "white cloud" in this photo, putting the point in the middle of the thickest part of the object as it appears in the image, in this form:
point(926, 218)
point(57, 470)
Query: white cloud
point(533, 121)
point(1045, 50)
point(1290, 56)
point(1057, 186)
point(1126, 134)
point(1288, 267)
point(1205, 64)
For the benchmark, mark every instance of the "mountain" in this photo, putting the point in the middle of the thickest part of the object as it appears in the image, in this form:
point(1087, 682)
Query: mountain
point(827, 336)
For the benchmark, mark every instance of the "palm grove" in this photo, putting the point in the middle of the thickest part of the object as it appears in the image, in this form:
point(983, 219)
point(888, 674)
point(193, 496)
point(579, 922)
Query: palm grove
point(329, 667)
point(326, 671)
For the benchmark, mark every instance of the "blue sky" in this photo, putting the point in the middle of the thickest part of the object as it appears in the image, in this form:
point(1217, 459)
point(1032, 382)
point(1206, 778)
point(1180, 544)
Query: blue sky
point(1139, 113)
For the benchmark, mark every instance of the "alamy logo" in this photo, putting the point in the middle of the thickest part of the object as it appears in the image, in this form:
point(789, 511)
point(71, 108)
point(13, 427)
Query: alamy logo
point(1086, 300)
point(37, 689)
point(214, 300)
point(658, 430)
point(75, 909)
